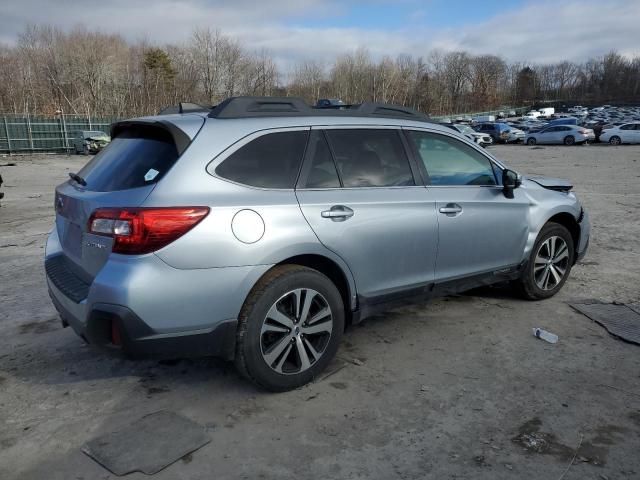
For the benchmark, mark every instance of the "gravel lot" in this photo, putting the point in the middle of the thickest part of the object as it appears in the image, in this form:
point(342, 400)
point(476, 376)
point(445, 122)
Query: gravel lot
point(456, 388)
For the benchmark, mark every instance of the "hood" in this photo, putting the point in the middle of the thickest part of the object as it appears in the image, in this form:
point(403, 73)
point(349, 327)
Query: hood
point(99, 138)
point(557, 184)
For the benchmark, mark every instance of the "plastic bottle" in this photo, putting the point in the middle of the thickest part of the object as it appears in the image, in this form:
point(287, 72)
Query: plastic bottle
point(544, 335)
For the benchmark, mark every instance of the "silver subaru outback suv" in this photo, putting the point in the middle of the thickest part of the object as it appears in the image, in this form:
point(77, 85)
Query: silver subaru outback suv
point(257, 230)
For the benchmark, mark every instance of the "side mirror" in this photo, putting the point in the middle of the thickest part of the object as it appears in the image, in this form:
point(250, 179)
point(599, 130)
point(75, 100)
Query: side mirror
point(510, 181)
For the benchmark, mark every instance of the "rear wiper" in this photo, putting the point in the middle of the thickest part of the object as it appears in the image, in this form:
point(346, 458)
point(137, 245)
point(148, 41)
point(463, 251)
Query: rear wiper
point(78, 178)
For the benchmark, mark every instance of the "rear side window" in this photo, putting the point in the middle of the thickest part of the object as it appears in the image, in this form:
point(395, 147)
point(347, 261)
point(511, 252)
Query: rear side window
point(269, 161)
point(135, 158)
point(370, 158)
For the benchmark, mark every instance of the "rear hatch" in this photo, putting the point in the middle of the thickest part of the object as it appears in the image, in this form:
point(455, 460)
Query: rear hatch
point(122, 175)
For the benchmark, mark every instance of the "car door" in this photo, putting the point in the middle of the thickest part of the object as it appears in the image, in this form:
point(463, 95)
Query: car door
point(627, 133)
point(549, 135)
point(479, 229)
point(362, 198)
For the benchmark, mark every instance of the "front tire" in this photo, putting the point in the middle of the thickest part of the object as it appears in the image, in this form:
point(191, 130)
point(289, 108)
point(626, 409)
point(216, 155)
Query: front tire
point(531, 141)
point(569, 140)
point(615, 140)
point(289, 328)
point(549, 264)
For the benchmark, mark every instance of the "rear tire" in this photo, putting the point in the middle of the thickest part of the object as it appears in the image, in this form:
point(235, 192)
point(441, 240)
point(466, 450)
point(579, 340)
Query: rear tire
point(615, 140)
point(531, 141)
point(549, 264)
point(569, 140)
point(279, 347)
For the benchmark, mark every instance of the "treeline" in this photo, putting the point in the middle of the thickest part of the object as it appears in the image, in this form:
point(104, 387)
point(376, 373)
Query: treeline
point(49, 71)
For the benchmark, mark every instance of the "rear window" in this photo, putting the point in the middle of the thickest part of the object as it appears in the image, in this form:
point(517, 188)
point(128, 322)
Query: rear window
point(135, 158)
point(270, 161)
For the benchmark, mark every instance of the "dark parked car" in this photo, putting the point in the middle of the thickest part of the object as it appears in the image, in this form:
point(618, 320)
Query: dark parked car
point(501, 132)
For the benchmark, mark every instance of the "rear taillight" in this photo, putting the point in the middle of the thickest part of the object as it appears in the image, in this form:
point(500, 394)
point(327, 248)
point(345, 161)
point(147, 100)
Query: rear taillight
point(143, 230)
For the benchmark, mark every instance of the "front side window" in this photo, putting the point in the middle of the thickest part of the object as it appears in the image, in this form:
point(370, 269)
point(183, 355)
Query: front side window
point(270, 161)
point(370, 157)
point(629, 126)
point(451, 162)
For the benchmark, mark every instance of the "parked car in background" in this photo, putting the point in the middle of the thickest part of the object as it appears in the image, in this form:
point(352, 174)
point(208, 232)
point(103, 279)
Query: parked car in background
point(483, 118)
point(501, 132)
point(560, 134)
point(563, 121)
point(547, 112)
point(90, 141)
point(627, 133)
point(256, 231)
point(482, 139)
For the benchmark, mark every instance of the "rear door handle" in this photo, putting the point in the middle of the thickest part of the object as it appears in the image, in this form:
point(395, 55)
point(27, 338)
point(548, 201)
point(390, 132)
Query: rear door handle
point(451, 209)
point(337, 213)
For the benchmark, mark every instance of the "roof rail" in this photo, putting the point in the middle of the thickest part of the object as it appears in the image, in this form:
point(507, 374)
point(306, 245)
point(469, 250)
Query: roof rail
point(248, 107)
point(184, 107)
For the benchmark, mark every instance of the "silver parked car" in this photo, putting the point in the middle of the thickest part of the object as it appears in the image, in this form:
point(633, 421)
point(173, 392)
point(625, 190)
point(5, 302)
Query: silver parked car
point(257, 230)
point(561, 134)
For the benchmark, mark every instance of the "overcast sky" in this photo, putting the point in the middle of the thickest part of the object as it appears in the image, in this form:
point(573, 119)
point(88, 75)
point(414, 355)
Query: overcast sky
point(536, 31)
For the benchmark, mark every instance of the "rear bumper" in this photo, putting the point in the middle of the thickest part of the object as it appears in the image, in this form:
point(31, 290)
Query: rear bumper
point(145, 307)
point(118, 327)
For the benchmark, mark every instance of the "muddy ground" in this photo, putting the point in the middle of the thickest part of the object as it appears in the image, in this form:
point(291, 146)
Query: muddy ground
point(456, 388)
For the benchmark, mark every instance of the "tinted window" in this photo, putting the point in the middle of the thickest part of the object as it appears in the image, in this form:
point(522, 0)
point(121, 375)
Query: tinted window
point(269, 161)
point(370, 158)
point(321, 171)
point(451, 162)
point(629, 126)
point(135, 158)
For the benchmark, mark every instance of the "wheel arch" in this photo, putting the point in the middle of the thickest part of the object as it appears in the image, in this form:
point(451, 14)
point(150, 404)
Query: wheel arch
point(568, 221)
point(335, 272)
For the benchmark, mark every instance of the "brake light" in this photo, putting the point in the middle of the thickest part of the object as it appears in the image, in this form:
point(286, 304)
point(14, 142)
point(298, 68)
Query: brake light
point(144, 230)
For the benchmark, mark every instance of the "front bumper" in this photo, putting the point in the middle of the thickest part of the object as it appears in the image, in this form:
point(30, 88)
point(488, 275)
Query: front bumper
point(585, 233)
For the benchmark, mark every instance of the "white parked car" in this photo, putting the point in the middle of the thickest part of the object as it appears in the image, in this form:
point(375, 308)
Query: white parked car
point(481, 139)
point(561, 134)
point(626, 133)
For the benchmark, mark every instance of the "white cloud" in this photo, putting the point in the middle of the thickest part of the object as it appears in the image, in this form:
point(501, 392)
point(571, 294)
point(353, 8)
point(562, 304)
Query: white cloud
point(542, 31)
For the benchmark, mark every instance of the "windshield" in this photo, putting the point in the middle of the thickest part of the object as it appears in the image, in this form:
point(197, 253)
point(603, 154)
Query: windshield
point(466, 129)
point(94, 133)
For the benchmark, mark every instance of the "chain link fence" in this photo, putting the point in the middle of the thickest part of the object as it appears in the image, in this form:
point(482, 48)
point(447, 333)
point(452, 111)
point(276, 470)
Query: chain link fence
point(23, 134)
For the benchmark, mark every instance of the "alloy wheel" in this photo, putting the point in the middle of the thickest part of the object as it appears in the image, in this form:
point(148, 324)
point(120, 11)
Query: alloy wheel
point(551, 263)
point(296, 331)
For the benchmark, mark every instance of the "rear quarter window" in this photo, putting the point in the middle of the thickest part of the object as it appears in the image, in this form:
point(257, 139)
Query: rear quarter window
point(135, 158)
point(269, 161)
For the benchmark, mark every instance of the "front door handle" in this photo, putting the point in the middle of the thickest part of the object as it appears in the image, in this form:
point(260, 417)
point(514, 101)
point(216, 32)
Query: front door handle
point(337, 213)
point(451, 209)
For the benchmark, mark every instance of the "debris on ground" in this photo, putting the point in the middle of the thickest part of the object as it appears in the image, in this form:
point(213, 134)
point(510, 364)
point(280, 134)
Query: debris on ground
point(147, 445)
point(619, 319)
point(544, 335)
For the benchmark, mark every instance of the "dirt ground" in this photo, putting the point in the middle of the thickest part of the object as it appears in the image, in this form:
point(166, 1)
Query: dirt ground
point(456, 388)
